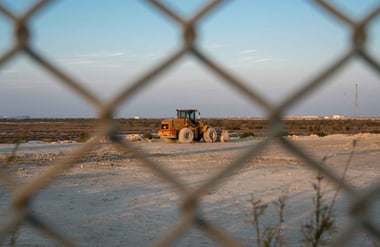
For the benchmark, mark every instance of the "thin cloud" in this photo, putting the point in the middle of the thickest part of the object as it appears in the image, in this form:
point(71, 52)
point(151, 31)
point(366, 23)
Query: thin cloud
point(8, 71)
point(116, 54)
point(245, 59)
point(103, 54)
point(150, 55)
point(262, 60)
point(251, 61)
point(111, 59)
point(248, 51)
point(215, 46)
point(94, 58)
point(188, 64)
point(81, 62)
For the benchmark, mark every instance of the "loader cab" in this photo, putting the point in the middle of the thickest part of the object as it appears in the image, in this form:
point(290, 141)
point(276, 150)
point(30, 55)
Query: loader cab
point(188, 114)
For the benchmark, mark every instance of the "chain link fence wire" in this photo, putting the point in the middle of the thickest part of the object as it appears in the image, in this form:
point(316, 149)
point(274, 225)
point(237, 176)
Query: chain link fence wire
point(190, 215)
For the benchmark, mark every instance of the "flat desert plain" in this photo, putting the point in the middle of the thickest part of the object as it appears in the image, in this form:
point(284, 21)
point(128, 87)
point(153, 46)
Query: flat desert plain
point(109, 198)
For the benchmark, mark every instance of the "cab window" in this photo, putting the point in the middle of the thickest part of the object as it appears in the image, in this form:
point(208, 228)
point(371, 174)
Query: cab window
point(192, 116)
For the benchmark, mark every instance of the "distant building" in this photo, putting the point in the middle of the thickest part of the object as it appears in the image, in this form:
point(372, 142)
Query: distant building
point(335, 117)
point(312, 117)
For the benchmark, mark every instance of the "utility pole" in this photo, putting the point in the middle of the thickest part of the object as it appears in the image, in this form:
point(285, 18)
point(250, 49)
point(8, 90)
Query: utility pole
point(356, 107)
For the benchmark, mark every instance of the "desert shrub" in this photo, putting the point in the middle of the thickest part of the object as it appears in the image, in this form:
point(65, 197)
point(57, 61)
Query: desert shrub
point(12, 156)
point(317, 231)
point(21, 136)
point(47, 139)
point(319, 133)
point(272, 234)
point(285, 133)
point(246, 134)
point(322, 221)
point(116, 138)
point(83, 136)
point(148, 135)
point(231, 124)
point(8, 141)
point(314, 232)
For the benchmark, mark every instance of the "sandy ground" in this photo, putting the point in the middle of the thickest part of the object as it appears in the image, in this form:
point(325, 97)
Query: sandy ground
point(109, 199)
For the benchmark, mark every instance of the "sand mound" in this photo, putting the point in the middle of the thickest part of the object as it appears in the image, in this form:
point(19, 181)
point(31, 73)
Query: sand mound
point(135, 137)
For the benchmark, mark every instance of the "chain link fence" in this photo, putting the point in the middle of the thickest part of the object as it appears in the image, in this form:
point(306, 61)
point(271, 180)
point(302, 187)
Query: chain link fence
point(23, 194)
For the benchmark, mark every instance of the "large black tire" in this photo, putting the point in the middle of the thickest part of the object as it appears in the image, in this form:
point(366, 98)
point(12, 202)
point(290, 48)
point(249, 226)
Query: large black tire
point(210, 135)
point(185, 135)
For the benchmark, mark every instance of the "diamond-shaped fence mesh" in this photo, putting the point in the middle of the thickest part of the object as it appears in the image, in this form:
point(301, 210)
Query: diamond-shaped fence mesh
point(24, 194)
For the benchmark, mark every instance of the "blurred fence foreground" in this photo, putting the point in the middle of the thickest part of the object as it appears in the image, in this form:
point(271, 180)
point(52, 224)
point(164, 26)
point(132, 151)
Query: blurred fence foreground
point(191, 217)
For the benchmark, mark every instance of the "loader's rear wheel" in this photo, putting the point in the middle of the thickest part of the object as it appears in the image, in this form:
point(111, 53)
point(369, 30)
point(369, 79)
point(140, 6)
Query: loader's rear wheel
point(185, 135)
point(210, 135)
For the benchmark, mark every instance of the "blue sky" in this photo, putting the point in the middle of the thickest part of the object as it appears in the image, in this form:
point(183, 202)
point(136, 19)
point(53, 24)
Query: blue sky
point(273, 46)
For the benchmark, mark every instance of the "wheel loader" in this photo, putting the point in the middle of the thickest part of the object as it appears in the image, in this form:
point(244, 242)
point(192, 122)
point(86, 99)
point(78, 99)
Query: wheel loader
point(187, 128)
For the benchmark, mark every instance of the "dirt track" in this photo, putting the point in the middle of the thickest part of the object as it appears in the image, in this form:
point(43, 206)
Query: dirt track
point(110, 199)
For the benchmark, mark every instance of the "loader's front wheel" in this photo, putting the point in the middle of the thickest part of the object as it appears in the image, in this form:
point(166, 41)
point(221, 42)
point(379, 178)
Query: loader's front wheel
point(185, 135)
point(210, 135)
